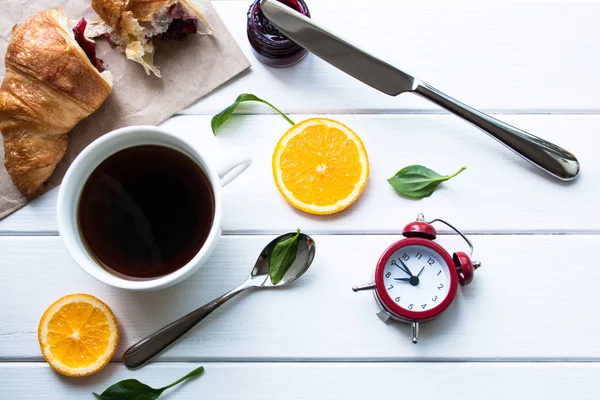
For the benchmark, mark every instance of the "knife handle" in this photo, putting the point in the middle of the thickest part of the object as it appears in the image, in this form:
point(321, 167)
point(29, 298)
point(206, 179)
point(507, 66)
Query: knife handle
point(551, 158)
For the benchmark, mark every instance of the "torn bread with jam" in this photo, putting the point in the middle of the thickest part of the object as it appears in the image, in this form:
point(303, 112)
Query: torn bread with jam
point(53, 80)
point(136, 24)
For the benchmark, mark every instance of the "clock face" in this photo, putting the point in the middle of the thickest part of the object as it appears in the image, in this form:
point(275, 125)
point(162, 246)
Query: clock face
point(416, 278)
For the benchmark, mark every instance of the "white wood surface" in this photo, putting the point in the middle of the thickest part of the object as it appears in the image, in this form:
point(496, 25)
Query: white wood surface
point(509, 56)
point(525, 329)
point(303, 381)
point(498, 193)
point(531, 300)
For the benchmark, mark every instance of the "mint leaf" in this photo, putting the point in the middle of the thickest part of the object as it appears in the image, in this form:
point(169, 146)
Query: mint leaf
point(222, 117)
point(132, 389)
point(417, 181)
point(282, 257)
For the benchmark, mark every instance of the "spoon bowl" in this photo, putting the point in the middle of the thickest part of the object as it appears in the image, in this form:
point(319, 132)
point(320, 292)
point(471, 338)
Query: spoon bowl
point(304, 258)
point(148, 348)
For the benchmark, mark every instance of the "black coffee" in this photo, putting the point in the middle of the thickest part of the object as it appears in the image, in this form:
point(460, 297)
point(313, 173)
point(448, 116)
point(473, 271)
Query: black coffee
point(146, 211)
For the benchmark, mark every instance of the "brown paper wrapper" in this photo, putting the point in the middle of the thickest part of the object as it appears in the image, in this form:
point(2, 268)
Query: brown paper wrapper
point(190, 69)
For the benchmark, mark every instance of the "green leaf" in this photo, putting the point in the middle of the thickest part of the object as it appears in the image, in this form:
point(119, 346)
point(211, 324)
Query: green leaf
point(132, 389)
point(417, 181)
point(129, 389)
point(282, 257)
point(222, 117)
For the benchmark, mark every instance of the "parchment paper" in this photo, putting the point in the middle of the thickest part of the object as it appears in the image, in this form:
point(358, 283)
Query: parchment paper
point(190, 69)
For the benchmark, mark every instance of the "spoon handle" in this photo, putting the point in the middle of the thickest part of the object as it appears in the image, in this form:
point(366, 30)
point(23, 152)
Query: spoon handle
point(146, 349)
point(549, 157)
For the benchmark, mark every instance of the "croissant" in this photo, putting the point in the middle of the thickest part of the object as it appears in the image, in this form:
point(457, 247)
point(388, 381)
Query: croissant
point(53, 80)
point(136, 23)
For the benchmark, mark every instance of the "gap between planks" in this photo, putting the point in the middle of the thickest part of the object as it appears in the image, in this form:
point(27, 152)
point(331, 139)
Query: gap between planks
point(353, 233)
point(591, 361)
point(399, 111)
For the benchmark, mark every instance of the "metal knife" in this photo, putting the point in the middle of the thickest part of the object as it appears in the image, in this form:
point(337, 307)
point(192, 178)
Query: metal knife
point(388, 79)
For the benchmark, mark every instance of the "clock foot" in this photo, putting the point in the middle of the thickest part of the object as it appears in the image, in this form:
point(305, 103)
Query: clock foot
point(366, 286)
point(384, 316)
point(415, 332)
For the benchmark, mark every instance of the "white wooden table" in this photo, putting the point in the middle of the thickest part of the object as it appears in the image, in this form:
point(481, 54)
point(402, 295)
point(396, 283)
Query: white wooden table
point(527, 328)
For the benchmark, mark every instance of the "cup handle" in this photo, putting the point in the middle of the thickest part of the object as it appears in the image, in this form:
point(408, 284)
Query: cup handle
point(232, 164)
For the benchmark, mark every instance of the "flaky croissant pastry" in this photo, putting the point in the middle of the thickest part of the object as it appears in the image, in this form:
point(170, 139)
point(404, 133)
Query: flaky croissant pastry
point(53, 80)
point(136, 23)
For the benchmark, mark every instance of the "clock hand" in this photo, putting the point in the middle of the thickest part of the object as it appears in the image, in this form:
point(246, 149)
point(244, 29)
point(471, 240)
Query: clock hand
point(406, 268)
point(403, 269)
point(413, 280)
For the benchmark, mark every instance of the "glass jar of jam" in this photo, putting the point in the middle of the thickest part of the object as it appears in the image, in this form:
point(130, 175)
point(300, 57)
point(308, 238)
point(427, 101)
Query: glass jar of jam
point(269, 45)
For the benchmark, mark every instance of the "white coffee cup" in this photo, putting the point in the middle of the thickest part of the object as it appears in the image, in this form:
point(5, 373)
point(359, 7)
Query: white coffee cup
point(88, 160)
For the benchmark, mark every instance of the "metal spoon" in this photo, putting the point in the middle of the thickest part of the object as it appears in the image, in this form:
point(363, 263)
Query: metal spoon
point(146, 349)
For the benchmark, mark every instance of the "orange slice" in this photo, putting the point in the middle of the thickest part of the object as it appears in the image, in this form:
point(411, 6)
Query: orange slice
point(78, 335)
point(320, 166)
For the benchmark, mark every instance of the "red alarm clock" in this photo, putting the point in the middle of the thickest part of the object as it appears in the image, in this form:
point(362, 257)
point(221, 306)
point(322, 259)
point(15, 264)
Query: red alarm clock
point(416, 278)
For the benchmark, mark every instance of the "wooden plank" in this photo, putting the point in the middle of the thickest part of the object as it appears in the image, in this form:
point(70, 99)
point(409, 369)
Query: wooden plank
point(533, 299)
point(499, 193)
point(502, 56)
point(291, 381)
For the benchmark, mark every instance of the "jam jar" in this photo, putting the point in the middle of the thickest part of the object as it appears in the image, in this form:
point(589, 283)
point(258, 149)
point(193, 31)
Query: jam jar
point(269, 45)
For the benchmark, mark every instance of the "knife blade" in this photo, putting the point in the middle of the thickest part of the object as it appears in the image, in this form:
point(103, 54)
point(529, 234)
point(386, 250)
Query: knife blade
point(336, 51)
point(388, 79)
